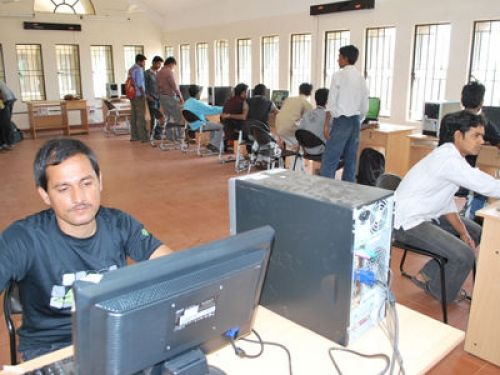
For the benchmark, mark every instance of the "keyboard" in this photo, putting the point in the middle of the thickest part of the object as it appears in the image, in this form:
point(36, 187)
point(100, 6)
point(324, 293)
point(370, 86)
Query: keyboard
point(65, 366)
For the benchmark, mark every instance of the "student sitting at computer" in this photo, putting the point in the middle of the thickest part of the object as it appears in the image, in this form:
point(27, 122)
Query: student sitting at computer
point(292, 110)
point(259, 106)
point(426, 214)
point(200, 109)
point(314, 120)
point(75, 238)
point(235, 113)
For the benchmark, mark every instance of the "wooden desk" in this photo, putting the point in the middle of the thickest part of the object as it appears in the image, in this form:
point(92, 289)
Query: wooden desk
point(483, 330)
point(423, 343)
point(393, 142)
point(488, 160)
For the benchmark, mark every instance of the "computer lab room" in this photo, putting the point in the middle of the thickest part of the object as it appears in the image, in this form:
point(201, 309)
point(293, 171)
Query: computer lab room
point(249, 187)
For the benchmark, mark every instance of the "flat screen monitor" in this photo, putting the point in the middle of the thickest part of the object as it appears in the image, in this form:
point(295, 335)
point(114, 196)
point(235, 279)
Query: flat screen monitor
point(219, 94)
point(279, 96)
point(492, 114)
point(122, 90)
point(167, 308)
point(184, 89)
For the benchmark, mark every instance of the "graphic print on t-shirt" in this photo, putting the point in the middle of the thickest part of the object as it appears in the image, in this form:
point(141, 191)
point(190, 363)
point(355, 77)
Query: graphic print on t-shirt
point(62, 295)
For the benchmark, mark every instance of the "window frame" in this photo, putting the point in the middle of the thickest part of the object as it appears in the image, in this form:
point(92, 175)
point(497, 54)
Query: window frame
point(238, 61)
point(185, 66)
point(327, 80)
point(276, 71)
point(78, 77)
point(110, 71)
point(42, 93)
point(295, 90)
point(223, 69)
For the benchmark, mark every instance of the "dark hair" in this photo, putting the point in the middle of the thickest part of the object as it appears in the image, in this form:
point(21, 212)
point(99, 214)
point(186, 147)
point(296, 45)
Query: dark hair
point(473, 95)
point(170, 60)
point(259, 89)
point(461, 121)
point(157, 59)
point(321, 96)
point(139, 58)
point(194, 90)
point(305, 88)
point(350, 52)
point(239, 88)
point(56, 151)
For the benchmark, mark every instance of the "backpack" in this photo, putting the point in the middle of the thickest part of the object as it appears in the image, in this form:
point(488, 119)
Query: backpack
point(130, 86)
point(15, 135)
point(371, 165)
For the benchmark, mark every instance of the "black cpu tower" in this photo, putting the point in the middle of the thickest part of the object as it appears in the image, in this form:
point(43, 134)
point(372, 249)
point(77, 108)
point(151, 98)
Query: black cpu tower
point(330, 260)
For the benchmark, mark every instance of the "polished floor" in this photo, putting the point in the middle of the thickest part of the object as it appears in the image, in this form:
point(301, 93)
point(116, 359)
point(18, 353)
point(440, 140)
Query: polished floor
point(183, 200)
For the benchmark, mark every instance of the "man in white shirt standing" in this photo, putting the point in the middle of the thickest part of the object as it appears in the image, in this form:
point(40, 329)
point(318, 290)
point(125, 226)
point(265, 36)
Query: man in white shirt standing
point(348, 105)
point(426, 214)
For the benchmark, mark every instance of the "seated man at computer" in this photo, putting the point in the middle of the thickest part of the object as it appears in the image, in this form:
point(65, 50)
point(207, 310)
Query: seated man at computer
point(294, 107)
point(314, 120)
point(200, 109)
point(236, 111)
point(426, 214)
point(75, 238)
point(259, 106)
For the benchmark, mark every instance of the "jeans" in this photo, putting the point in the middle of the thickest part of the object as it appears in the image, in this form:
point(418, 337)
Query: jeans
point(215, 134)
point(138, 121)
point(439, 237)
point(33, 353)
point(172, 110)
point(344, 140)
point(154, 107)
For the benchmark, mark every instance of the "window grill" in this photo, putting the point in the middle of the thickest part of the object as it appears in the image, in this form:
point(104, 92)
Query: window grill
point(30, 71)
point(68, 70)
point(300, 61)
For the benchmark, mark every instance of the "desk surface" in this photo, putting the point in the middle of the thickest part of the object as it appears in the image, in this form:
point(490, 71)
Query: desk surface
point(392, 128)
point(423, 343)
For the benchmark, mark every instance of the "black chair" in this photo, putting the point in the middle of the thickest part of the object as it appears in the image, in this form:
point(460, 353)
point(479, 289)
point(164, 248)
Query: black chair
point(265, 145)
point(11, 305)
point(190, 117)
point(308, 139)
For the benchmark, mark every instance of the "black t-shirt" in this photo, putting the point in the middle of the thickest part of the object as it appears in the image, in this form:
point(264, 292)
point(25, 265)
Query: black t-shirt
point(45, 262)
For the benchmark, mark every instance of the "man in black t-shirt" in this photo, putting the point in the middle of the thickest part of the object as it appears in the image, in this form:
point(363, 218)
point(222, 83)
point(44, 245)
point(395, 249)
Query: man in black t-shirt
point(74, 239)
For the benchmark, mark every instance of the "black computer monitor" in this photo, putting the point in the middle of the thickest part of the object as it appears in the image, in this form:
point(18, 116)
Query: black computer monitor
point(219, 94)
point(122, 90)
point(165, 308)
point(279, 96)
point(267, 94)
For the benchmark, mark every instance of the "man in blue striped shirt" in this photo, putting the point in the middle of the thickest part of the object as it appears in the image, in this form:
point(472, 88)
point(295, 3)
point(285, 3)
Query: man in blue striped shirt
point(138, 104)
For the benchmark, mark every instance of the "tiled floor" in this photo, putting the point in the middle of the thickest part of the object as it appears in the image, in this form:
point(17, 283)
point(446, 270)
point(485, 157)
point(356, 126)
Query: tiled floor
point(183, 200)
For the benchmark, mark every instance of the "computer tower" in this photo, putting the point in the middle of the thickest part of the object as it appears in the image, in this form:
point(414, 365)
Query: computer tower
point(112, 90)
point(330, 261)
point(434, 113)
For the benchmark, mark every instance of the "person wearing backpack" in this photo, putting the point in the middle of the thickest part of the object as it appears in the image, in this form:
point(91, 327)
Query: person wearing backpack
point(138, 103)
point(7, 99)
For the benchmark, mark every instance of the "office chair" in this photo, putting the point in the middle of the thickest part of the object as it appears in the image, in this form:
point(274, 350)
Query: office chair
point(11, 305)
point(373, 109)
point(114, 115)
point(308, 139)
point(265, 148)
point(190, 117)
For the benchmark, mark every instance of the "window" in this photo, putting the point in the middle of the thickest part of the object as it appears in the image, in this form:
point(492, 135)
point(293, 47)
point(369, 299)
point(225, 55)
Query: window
point(202, 67)
point(2, 65)
point(102, 69)
point(30, 71)
point(379, 65)
point(485, 60)
point(185, 68)
point(130, 52)
point(169, 51)
point(333, 41)
point(300, 62)
point(270, 61)
point(68, 70)
point(430, 64)
point(64, 6)
point(221, 63)
point(244, 61)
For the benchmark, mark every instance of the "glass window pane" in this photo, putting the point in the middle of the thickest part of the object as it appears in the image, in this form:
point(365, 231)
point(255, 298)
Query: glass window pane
point(102, 69)
point(64, 6)
point(202, 67)
point(130, 52)
point(30, 71)
point(244, 60)
point(221, 63)
point(379, 65)
point(185, 65)
point(169, 51)
point(68, 70)
point(270, 61)
point(300, 62)
point(333, 41)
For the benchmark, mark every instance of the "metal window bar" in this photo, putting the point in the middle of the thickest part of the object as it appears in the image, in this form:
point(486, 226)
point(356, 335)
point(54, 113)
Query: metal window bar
point(430, 65)
point(169, 51)
point(202, 67)
point(102, 68)
point(129, 53)
point(185, 68)
point(30, 71)
point(2, 65)
point(300, 69)
point(270, 61)
point(244, 60)
point(485, 59)
point(333, 41)
point(379, 65)
point(68, 70)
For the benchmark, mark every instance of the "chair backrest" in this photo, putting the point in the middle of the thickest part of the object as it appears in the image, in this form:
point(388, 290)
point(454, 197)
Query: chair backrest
point(190, 116)
point(261, 135)
point(308, 139)
point(388, 181)
point(260, 124)
point(11, 305)
point(109, 105)
point(373, 108)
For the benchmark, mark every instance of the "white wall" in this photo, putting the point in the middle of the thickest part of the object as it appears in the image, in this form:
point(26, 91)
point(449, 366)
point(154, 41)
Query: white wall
point(402, 14)
point(115, 31)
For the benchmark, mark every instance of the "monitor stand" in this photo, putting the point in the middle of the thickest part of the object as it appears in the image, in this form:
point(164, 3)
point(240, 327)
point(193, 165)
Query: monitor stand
point(192, 362)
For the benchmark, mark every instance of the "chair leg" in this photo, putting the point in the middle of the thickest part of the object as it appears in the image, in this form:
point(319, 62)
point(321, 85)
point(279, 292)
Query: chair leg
point(401, 266)
point(444, 305)
point(474, 272)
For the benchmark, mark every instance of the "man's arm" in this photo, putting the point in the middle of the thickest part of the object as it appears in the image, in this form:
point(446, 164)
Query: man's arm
point(326, 125)
point(459, 226)
point(242, 116)
point(161, 251)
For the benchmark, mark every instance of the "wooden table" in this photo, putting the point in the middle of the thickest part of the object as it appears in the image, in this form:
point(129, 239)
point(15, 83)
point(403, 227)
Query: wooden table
point(423, 343)
point(393, 142)
point(483, 331)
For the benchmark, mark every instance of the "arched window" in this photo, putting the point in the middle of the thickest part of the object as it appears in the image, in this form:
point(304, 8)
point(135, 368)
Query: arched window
point(64, 6)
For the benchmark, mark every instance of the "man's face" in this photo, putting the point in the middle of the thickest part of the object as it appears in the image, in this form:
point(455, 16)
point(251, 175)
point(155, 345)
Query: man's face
point(470, 142)
point(156, 65)
point(74, 193)
point(142, 63)
point(342, 61)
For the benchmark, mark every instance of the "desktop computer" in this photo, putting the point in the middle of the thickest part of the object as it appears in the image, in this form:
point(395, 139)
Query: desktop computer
point(112, 90)
point(330, 259)
point(219, 94)
point(278, 97)
point(434, 113)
